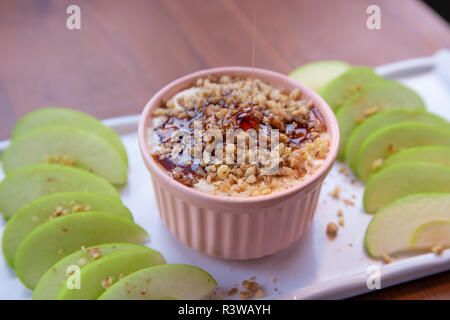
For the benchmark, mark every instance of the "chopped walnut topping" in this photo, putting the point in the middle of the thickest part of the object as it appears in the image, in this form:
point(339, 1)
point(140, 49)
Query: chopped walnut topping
point(62, 160)
point(107, 282)
point(215, 106)
point(340, 213)
point(95, 253)
point(341, 222)
point(72, 207)
point(332, 230)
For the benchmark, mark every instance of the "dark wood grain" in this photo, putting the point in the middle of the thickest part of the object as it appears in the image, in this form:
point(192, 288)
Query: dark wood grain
point(127, 50)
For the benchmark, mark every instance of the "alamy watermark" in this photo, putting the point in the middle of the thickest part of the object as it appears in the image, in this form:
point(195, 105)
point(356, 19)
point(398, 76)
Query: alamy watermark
point(73, 22)
point(373, 22)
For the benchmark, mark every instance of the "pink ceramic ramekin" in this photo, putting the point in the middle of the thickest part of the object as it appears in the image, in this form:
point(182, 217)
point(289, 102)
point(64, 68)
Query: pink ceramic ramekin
point(236, 228)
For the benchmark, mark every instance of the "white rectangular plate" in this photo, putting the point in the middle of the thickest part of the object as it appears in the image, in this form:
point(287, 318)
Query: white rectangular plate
point(314, 267)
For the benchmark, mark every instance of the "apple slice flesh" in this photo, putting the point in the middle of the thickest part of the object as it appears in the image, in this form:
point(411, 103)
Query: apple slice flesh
point(403, 179)
point(390, 139)
point(341, 88)
point(382, 119)
point(432, 234)
point(316, 74)
point(50, 283)
point(102, 273)
point(178, 281)
point(51, 116)
point(392, 227)
point(66, 145)
point(54, 240)
point(435, 154)
point(49, 207)
point(378, 97)
point(26, 184)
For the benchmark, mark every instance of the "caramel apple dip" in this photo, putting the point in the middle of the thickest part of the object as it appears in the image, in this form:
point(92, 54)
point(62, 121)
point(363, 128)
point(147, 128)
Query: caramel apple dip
point(238, 137)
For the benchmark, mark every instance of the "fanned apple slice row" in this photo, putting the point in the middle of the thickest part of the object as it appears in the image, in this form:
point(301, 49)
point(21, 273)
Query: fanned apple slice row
point(68, 146)
point(52, 280)
point(50, 207)
point(52, 116)
point(100, 275)
point(390, 139)
point(341, 88)
point(404, 179)
point(383, 119)
point(392, 228)
point(316, 74)
point(378, 97)
point(26, 184)
point(178, 281)
point(54, 240)
point(434, 154)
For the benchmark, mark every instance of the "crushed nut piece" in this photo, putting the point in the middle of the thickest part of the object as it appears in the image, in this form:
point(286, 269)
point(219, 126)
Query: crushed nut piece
point(245, 294)
point(260, 293)
point(387, 258)
point(82, 262)
point(335, 192)
point(340, 213)
point(377, 163)
point(332, 230)
point(348, 203)
point(95, 253)
point(250, 285)
point(232, 291)
point(437, 250)
point(107, 282)
point(341, 222)
point(344, 171)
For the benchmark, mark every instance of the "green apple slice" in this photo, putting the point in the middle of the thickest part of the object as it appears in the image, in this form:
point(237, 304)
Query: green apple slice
point(316, 74)
point(99, 275)
point(179, 281)
point(382, 119)
point(435, 154)
point(52, 280)
point(26, 184)
point(46, 208)
point(392, 227)
point(341, 88)
point(403, 179)
point(72, 118)
point(66, 145)
point(386, 141)
point(54, 240)
point(432, 234)
point(381, 96)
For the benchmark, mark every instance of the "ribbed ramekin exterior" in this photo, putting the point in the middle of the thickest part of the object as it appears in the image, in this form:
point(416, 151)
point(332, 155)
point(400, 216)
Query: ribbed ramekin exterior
point(237, 235)
point(237, 228)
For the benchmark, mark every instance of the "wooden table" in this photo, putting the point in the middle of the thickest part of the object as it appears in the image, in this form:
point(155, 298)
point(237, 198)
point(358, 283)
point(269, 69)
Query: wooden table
point(127, 50)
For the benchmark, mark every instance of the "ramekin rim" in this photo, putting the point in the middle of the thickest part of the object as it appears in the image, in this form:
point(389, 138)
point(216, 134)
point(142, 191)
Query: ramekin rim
point(324, 109)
